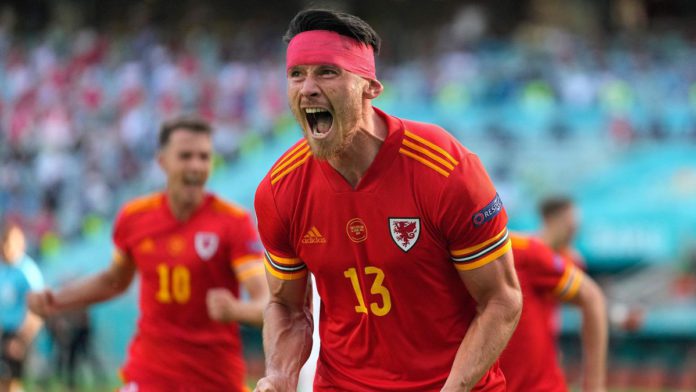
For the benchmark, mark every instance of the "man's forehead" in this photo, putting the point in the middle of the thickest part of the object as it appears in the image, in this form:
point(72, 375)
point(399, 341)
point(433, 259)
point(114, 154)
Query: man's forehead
point(317, 65)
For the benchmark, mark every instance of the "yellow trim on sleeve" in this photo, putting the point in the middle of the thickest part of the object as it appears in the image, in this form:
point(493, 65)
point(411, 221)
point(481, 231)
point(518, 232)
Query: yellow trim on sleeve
point(291, 168)
point(424, 161)
point(472, 249)
point(250, 271)
point(239, 261)
point(429, 154)
point(574, 288)
point(289, 158)
point(292, 152)
point(433, 146)
point(563, 282)
point(486, 259)
point(284, 276)
point(291, 261)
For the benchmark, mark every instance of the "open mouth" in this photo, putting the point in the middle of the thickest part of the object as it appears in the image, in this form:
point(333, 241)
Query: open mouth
point(320, 121)
point(193, 181)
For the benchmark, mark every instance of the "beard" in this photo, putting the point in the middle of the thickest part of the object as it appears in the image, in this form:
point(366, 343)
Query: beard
point(332, 146)
point(344, 129)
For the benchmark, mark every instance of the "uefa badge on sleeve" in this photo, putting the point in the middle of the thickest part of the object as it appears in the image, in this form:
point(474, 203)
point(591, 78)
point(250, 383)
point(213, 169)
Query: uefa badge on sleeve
point(206, 244)
point(404, 232)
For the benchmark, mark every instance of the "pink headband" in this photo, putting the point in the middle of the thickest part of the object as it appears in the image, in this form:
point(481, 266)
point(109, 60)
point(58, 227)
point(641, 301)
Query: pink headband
point(328, 47)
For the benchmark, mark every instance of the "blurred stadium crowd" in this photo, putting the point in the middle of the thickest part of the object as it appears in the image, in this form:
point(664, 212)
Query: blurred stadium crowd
point(547, 101)
point(79, 109)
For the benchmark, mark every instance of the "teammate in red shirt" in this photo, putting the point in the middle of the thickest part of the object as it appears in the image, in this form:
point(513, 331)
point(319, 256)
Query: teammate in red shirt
point(560, 223)
point(530, 361)
point(192, 251)
point(400, 225)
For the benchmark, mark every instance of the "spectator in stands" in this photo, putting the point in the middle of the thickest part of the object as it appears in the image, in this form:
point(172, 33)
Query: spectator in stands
point(18, 275)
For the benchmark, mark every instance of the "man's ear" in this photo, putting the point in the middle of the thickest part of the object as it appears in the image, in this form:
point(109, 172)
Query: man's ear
point(373, 89)
point(160, 159)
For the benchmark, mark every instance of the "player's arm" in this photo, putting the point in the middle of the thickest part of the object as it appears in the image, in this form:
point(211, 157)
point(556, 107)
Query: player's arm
point(224, 307)
point(496, 290)
point(97, 288)
point(18, 345)
point(594, 334)
point(287, 333)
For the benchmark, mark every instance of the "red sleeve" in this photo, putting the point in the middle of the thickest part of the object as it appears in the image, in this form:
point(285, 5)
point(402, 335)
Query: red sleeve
point(553, 274)
point(119, 234)
point(472, 216)
point(281, 260)
point(245, 242)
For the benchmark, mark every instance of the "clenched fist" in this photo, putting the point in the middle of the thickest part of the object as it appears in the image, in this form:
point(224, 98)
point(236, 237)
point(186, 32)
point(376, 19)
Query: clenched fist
point(222, 305)
point(276, 384)
point(42, 303)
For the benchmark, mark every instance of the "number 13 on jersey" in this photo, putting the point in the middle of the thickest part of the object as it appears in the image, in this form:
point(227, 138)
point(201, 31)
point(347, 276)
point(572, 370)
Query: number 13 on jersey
point(377, 288)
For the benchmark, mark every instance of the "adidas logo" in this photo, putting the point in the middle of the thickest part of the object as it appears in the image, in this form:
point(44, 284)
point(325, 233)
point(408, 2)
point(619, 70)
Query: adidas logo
point(313, 236)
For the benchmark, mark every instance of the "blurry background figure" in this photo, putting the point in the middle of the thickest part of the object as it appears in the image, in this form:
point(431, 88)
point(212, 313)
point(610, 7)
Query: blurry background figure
point(71, 334)
point(560, 220)
point(18, 276)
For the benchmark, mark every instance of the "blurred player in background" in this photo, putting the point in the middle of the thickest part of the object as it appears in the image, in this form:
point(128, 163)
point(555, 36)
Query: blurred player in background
point(400, 225)
point(192, 251)
point(18, 275)
point(560, 223)
point(530, 361)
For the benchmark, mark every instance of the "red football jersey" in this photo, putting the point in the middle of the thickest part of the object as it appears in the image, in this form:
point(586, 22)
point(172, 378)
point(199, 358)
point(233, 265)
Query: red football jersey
point(385, 255)
point(530, 361)
point(176, 343)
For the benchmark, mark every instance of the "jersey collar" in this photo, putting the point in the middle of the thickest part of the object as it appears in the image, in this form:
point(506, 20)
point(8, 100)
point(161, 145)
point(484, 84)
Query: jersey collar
point(383, 160)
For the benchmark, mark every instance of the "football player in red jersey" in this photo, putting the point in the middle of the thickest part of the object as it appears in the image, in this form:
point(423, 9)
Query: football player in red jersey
point(193, 251)
point(400, 225)
point(560, 224)
point(530, 361)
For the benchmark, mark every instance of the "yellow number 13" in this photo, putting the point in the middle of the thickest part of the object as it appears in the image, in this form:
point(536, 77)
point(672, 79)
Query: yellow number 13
point(377, 288)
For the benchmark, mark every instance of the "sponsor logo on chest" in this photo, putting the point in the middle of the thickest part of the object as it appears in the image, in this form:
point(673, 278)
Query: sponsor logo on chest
point(405, 232)
point(356, 230)
point(206, 244)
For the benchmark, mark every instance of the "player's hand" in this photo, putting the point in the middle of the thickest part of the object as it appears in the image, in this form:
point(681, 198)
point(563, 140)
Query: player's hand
point(455, 388)
point(16, 349)
point(42, 303)
point(222, 305)
point(275, 384)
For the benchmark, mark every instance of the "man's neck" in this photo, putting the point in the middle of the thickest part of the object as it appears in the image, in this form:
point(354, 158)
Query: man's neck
point(180, 210)
point(354, 162)
point(550, 240)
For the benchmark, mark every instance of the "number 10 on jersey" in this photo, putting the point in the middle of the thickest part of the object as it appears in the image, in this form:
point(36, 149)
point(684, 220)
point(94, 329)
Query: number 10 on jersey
point(377, 288)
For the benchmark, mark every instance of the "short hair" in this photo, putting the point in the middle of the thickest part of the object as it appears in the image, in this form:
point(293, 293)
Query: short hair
point(188, 122)
point(339, 22)
point(552, 206)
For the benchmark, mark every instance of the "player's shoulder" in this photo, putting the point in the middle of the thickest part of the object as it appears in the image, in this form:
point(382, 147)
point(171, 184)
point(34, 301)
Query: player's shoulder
point(527, 242)
point(142, 204)
point(520, 241)
point(226, 208)
point(289, 163)
point(433, 147)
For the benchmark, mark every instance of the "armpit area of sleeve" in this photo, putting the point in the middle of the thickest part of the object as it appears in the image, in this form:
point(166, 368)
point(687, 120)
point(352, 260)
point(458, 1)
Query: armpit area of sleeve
point(477, 256)
point(285, 268)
